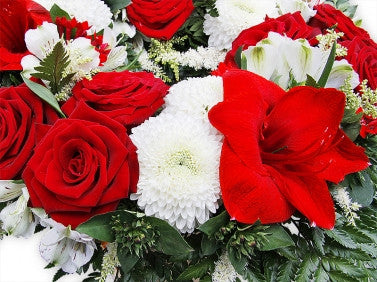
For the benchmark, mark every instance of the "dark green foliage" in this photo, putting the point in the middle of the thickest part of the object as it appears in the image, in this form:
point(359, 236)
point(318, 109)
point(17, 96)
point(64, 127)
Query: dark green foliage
point(10, 78)
point(52, 68)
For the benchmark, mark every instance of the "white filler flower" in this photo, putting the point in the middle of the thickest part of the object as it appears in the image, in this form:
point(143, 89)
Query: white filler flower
point(195, 96)
point(224, 270)
point(95, 12)
point(179, 164)
point(235, 16)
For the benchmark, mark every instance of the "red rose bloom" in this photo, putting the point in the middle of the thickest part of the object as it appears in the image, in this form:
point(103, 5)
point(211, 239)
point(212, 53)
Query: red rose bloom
point(84, 165)
point(362, 54)
point(16, 17)
point(292, 25)
point(280, 148)
point(20, 109)
point(327, 16)
point(128, 97)
point(159, 18)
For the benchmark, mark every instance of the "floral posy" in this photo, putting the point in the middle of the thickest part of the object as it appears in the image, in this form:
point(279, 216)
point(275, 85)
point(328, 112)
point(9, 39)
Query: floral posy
point(187, 140)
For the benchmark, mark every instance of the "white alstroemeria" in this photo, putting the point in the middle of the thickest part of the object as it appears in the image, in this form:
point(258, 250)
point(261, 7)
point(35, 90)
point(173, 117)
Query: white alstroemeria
point(179, 169)
point(10, 190)
point(41, 40)
point(124, 28)
point(118, 54)
point(17, 217)
point(291, 6)
point(66, 248)
point(235, 16)
point(95, 12)
point(279, 58)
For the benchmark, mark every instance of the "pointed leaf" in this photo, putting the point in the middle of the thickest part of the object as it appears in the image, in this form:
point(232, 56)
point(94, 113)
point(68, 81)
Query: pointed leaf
point(57, 12)
point(211, 226)
point(127, 261)
point(277, 238)
point(196, 271)
point(327, 70)
point(45, 94)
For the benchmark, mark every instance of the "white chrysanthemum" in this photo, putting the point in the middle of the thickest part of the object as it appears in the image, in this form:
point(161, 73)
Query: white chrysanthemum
point(235, 16)
point(279, 58)
point(179, 164)
point(195, 96)
point(291, 6)
point(224, 270)
point(95, 12)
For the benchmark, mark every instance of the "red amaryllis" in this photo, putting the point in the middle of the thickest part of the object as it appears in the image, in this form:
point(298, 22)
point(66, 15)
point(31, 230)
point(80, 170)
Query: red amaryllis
point(159, 18)
point(16, 17)
point(280, 148)
point(84, 165)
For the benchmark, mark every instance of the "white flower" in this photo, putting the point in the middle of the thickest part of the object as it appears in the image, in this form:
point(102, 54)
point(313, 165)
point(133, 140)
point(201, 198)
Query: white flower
point(95, 12)
point(278, 57)
point(179, 163)
point(17, 218)
point(291, 6)
point(224, 270)
point(10, 190)
point(64, 247)
point(41, 41)
point(195, 96)
point(235, 16)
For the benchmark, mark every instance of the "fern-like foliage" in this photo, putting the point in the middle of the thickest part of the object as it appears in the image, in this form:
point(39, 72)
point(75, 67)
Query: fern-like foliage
point(52, 69)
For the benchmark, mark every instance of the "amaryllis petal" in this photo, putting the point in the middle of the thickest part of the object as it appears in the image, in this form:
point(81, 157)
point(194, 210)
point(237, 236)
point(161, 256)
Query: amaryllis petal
point(345, 158)
point(311, 197)
point(304, 122)
point(249, 195)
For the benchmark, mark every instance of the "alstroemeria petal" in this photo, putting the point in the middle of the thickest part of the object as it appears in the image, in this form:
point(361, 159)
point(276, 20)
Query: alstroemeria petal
point(303, 123)
point(311, 197)
point(249, 195)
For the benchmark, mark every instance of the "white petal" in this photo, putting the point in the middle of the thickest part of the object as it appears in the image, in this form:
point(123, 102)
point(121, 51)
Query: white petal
point(41, 41)
point(339, 73)
point(116, 58)
point(10, 190)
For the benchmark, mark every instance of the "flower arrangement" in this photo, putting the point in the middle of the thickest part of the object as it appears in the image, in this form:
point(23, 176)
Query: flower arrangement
point(190, 140)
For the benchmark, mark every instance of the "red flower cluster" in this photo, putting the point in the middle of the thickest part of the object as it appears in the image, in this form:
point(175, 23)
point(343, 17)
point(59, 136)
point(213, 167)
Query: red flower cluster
point(16, 17)
point(280, 148)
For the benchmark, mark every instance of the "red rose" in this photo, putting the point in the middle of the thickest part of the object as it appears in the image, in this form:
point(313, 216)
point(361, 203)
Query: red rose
point(84, 165)
point(292, 25)
point(20, 109)
point(327, 16)
point(16, 17)
point(159, 18)
point(362, 54)
point(280, 148)
point(128, 97)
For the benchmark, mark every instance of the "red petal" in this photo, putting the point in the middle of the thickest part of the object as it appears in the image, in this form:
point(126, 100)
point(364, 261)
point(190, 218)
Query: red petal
point(249, 195)
point(342, 159)
point(302, 124)
point(311, 197)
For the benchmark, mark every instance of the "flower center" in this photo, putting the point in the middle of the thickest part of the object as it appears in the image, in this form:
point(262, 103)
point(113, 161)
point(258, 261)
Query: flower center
point(183, 159)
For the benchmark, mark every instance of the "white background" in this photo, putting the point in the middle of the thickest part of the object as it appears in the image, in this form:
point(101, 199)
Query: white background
point(19, 258)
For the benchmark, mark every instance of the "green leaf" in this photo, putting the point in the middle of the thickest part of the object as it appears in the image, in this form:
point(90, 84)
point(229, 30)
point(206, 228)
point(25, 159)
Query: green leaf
point(277, 238)
point(352, 130)
point(345, 267)
point(327, 70)
point(340, 237)
point(243, 62)
point(319, 240)
point(57, 12)
point(286, 271)
point(127, 261)
point(209, 246)
point(170, 241)
point(321, 275)
point(52, 68)
point(363, 193)
point(115, 5)
point(211, 226)
point(310, 81)
point(239, 263)
point(339, 276)
point(196, 271)
point(45, 94)
point(237, 57)
point(307, 267)
point(59, 274)
point(99, 226)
